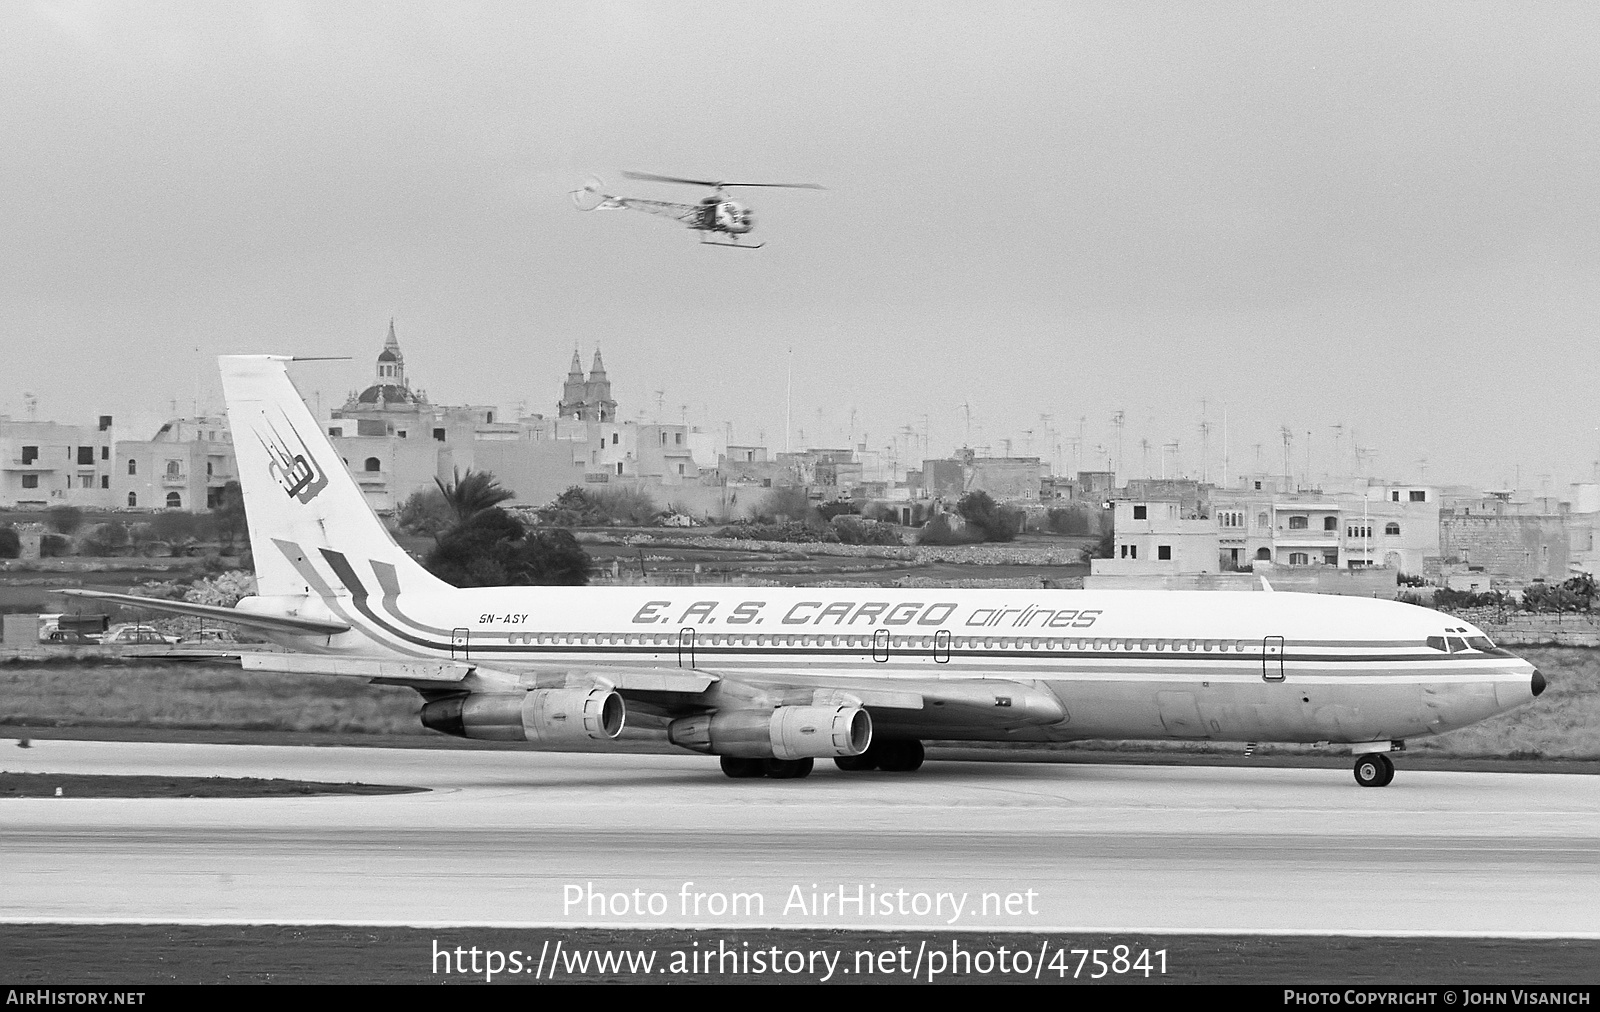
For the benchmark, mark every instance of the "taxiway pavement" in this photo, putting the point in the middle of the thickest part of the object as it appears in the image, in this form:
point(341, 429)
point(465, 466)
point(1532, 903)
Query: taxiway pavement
point(513, 838)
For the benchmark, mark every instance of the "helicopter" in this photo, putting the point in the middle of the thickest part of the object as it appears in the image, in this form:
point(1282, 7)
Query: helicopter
point(719, 221)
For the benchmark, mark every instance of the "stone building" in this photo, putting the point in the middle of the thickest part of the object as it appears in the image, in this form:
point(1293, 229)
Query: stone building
point(587, 400)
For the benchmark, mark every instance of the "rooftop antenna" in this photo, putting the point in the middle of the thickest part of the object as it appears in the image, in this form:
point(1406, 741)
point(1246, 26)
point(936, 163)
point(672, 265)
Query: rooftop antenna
point(788, 405)
point(1118, 418)
point(1338, 433)
point(1363, 455)
point(1227, 469)
point(1205, 433)
point(966, 409)
point(1288, 437)
point(1144, 446)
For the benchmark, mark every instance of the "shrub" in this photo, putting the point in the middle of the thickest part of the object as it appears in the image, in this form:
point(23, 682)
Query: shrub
point(1071, 521)
point(784, 504)
point(626, 506)
point(174, 526)
point(572, 508)
point(852, 530)
point(494, 549)
point(64, 519)
point(1101, 549)
point(940, 531)
point(103, 539)
point(425, 512)
point(996, 523)
point(838, 508)
point(789, 531)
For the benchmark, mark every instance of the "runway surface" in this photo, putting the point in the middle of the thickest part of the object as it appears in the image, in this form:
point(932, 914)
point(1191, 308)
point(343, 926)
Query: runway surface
point(525, 838)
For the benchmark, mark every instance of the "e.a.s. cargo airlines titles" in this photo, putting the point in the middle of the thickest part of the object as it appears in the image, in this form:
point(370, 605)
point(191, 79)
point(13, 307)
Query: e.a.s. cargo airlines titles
point(770, 679)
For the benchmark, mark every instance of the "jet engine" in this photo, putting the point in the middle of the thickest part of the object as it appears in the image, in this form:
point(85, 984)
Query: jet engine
point(788, 732)
point(545, 716)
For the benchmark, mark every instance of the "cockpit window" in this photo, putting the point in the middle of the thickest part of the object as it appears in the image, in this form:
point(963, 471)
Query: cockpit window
point(1436, 642)
point(1483, 643)
point(1457, 644)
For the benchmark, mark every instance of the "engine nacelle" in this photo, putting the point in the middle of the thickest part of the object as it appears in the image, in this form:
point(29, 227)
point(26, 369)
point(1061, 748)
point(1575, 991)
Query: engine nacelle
point(788, 732)
point(545, 716)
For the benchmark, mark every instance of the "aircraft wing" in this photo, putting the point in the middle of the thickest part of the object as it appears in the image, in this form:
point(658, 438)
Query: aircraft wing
point(250, 620)
point(438, 674)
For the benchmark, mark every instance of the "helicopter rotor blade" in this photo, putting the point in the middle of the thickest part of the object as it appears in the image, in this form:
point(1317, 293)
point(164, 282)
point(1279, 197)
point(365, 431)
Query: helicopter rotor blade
point(718, 184)
point(786, 186)
point(671, 179)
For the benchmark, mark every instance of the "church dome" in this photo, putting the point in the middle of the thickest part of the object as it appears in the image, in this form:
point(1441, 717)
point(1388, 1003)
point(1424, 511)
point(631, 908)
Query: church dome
point(387, 393)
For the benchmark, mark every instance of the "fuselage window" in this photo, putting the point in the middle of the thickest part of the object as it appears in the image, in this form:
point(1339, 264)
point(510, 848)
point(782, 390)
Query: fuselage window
point(1097, 645)
point(1161, 644)
point(1210, 644)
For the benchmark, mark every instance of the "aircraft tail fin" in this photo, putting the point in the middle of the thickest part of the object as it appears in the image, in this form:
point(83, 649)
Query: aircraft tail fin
point(301, 504)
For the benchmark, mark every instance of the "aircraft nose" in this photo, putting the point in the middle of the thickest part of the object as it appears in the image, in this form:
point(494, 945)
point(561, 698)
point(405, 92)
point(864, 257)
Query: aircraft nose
point(1538, 682)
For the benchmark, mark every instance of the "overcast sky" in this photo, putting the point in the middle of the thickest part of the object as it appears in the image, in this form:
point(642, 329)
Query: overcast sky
point(1378, 216)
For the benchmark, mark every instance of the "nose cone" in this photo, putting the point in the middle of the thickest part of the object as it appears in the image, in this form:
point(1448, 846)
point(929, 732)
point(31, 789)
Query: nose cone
point(1538, 682)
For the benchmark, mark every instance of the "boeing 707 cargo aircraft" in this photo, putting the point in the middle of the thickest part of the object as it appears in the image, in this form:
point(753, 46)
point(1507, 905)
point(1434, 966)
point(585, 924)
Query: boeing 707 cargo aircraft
point(770, 679)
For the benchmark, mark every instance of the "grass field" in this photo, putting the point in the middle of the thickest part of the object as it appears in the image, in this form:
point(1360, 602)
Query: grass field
point(1564, 723)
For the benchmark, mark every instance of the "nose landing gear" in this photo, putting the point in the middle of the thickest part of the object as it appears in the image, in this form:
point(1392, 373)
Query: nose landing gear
point(1374, 770)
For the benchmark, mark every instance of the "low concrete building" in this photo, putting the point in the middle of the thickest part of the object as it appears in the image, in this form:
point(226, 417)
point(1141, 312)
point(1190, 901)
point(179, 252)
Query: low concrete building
point(183, 467)
point(50, 464)
point(1159, 538)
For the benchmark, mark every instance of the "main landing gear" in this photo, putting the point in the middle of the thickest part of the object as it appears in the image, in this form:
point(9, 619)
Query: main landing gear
point(778, 769)
point(903, 756)
point(1374, 770)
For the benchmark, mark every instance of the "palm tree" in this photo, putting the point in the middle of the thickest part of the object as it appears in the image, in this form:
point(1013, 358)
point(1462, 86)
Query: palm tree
point(472, 492)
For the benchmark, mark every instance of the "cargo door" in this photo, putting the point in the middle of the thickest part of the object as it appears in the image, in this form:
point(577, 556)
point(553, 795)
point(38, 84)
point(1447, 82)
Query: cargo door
point(1272, 658)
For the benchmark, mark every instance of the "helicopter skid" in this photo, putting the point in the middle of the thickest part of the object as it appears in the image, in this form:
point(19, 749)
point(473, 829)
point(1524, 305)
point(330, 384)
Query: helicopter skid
point(734, 245)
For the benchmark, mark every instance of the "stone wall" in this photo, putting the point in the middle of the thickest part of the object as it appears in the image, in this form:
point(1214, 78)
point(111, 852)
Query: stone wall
point(1523, 548)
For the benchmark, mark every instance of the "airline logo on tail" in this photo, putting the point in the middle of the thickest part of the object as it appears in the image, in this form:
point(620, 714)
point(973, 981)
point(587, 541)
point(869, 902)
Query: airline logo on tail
point(296, 473)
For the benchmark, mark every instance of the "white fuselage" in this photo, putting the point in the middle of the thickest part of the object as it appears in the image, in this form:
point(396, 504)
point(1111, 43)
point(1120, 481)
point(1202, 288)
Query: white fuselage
point(1084, 664)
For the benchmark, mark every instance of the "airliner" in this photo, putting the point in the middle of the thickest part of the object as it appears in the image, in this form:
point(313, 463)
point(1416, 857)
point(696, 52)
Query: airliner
point(771, 679)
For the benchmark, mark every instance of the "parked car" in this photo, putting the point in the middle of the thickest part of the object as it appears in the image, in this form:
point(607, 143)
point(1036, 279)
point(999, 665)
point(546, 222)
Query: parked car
point(210, 636)
point(132, 633)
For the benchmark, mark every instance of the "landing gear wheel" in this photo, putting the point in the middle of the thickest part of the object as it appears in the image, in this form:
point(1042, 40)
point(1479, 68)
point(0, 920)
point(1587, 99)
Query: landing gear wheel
point(899, 756)
point(787, 769)
point(1374, 770)
point(857, 763)
point(743, 769)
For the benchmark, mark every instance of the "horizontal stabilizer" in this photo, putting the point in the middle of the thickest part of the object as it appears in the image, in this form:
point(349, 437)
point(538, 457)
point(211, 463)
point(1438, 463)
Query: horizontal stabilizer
point(250, 620)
